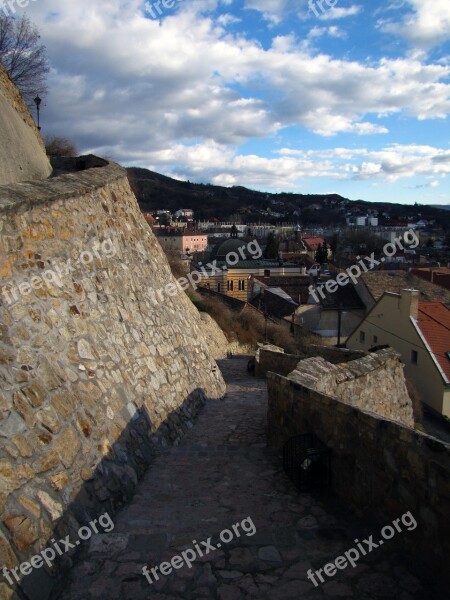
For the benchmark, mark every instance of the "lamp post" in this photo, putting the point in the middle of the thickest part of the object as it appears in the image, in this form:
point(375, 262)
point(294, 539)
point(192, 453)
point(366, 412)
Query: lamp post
point(38, 101)
point(266, 317)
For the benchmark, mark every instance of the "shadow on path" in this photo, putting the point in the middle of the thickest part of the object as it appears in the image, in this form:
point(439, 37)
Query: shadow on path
point(221, 473)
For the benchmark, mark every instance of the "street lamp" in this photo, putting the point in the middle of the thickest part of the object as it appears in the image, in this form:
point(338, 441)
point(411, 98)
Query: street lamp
point(38, 101)
point(266, 316)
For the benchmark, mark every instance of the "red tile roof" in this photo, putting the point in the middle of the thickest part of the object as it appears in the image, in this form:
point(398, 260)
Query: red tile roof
point(313, 243)
point(433, 320)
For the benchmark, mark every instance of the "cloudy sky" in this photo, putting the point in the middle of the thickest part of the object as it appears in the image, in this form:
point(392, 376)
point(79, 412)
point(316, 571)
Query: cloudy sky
point(279, 95)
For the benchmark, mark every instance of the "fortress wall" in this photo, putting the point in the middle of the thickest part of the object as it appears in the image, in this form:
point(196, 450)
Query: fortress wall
point(375, 383)
point(22, 151)
point(380, 468)
point(95, 377)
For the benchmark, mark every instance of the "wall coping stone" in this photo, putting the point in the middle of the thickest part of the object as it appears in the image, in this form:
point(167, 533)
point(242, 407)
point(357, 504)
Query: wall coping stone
point(31, 194)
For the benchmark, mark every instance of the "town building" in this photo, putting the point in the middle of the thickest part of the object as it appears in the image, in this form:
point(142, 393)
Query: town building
point(312, 244)
point(420, 332)
point(184, 242)
point(234, 267)
point(438, 275)
point(184, 213)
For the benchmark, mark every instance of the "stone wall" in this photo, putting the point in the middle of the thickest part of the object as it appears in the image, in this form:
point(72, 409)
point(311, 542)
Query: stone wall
point(214, 337)
point(22, 151)
point(272, 358)
point(95, 375)
point(379, 467)
point(276, 361)
point(333, 354)
point(217, 342)
point(375, 383)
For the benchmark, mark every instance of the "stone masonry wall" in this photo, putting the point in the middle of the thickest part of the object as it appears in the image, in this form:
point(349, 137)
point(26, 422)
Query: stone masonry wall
point(95, 376)
point(271, 358)
point(22, 151)
point(375, 383)
point(275, 361)
point(214, 336)
point(379, 467)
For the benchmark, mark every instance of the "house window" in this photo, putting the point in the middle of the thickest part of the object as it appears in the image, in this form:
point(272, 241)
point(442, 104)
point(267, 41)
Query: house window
point(375, 339)
point(362, 337)
point(241, 285)
point(219, 287)
point(414, 357)
point(266, 272)
point(230, 285)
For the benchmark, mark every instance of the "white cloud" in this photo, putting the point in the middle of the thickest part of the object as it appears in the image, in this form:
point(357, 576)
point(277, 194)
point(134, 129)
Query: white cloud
point(338, 12)
point(426, 25)
point(293, 168)
point(332, 31)
point(181, 94)
point(390, 164)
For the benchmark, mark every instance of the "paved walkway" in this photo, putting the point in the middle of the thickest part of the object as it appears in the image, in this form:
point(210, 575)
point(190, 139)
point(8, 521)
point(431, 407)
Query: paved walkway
point(221, 474)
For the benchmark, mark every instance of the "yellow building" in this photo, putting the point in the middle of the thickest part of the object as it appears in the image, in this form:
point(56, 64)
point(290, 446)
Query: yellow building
point(235, 261)
point(235, 281)
point(420, 332)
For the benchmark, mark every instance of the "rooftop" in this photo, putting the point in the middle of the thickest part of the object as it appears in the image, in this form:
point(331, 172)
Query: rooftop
point(345, 297)
point(276, 302)
point(433, 321)
point(260, 263)
point(313, 242)
point(379, 282)
point(295, 286)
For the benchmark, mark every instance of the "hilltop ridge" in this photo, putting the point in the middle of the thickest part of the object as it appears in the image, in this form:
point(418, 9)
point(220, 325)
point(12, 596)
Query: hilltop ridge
point(156, 191)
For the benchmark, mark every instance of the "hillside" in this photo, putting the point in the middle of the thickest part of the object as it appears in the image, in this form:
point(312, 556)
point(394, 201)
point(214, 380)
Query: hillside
point(155, 191)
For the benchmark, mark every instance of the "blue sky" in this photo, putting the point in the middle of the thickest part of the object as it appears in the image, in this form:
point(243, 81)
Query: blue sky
point(351, 97)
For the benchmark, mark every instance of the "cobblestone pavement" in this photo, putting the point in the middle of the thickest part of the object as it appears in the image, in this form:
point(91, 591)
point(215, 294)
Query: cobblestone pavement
point(220, 474)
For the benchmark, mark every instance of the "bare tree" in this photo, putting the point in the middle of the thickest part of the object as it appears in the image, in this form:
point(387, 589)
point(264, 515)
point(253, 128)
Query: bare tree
point(59, 146)
point(23, 56)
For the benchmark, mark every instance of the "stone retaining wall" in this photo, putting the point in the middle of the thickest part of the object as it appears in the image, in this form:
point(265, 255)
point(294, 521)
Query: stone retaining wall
point(271, 358)
point(375, 383)
point(379, 467)
point(22, 151)
point(95, 376)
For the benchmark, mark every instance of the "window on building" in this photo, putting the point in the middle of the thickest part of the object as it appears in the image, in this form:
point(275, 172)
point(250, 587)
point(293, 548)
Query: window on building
point(266, 272)
point(362, 337)
point(375, 339)
point(414, 357)
point(230, 286)
point(241, 285)
point(219, 287)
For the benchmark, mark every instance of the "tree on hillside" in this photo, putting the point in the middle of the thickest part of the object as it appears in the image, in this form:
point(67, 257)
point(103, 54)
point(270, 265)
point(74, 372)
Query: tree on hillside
point(272, 246)
point(363, 242)
point(23, 56)
point(321, 255)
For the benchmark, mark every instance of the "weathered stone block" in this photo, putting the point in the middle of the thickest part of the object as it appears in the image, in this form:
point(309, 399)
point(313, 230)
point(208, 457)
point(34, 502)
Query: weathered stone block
point(23, 530)
point(67, 446)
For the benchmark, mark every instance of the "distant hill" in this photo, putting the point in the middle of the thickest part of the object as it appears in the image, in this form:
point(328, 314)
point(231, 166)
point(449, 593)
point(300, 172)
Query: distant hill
point(441, 206)
point(155, 191)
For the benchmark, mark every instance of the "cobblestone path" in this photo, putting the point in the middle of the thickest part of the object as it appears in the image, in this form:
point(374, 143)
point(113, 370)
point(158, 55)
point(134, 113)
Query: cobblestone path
point(220, 474)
